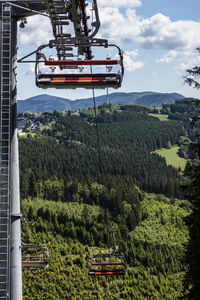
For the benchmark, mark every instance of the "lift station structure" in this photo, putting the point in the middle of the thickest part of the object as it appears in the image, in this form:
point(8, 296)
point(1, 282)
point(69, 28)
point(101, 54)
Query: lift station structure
point(10, 217)
point(60, 13)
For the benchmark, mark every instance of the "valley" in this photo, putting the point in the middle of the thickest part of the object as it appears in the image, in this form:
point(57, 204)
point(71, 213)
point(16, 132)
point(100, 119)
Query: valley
point(74, 189)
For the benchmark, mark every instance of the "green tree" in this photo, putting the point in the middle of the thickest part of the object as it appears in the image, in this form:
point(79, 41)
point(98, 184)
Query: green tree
point(194, 76)
point(192, 173)
point(169, 145)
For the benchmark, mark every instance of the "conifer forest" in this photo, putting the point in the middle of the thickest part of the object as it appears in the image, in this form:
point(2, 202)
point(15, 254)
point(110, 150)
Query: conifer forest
point(81, 175)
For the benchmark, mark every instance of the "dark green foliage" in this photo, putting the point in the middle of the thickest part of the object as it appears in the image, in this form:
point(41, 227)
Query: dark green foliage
point(72, 202)
point(181, 111)
point(192, 192)
point(69, 230)
point(193, 76)
point(69, 149)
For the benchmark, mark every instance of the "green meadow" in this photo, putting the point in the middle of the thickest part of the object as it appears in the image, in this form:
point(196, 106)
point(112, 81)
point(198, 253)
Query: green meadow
point(160, 117)
point(172, 157)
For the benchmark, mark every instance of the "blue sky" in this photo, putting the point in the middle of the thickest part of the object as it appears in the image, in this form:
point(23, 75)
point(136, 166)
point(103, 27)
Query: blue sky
point(158, 39)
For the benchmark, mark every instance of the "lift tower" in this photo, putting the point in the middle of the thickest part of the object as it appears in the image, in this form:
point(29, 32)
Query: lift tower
point(61, 13)
point(10, 228)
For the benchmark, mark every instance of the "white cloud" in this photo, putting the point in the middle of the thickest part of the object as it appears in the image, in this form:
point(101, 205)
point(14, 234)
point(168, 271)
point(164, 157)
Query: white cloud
point(175, 54)
point(125, 27)
point(37, 32)
point(188, 63)
point(156, 32)
point(30, 70)
point(129, 63)
point(182, 59)
point(170, 56)
point(133, 53)
point(120, 3)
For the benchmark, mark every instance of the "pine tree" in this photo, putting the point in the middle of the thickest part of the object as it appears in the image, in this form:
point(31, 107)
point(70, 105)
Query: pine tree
point(192, 189)
point(194, 76)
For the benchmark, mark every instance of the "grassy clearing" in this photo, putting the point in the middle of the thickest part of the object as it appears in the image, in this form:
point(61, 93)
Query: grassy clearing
point(172, 157)
point(160, 117)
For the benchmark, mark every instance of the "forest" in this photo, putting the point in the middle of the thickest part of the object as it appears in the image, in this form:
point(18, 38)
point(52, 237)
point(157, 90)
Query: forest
point(79, 176)
point(126, 139)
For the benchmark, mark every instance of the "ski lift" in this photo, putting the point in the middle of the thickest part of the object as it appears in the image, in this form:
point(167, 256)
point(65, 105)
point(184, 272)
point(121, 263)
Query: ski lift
point(35, 256)
point(75, 73)
point(107, 264)
point(69, 75)
point(110, 263)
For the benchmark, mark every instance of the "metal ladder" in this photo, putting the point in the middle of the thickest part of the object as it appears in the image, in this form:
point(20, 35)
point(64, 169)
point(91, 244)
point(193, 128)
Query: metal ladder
point(5, 97)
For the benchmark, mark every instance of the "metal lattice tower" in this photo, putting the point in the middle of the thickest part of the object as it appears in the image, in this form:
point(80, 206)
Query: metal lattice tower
point(5, 150)
point(10, 223)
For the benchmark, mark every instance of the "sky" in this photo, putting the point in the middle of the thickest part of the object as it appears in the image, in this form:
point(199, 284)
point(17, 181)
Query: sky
point(158, 37)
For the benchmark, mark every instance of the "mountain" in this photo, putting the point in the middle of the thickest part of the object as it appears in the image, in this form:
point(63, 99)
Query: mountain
point(42, 103)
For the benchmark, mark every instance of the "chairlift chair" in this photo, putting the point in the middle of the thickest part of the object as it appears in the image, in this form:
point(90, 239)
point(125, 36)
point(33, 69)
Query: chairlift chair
point(107, 264)
point(73, 75)
point(35, 256)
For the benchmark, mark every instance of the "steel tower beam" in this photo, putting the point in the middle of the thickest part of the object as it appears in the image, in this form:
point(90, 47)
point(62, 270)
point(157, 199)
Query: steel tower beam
point(15, 219)
point(5, 143)
point(10, 223)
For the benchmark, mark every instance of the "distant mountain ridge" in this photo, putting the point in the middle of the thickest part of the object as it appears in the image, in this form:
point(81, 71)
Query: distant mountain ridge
point(42, 103)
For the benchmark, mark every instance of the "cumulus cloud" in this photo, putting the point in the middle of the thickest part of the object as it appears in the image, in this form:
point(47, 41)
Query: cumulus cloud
point(129, 62)
point(37, 32)
point(30, 70)
point(188, 63)
point(170, 56)
point(124, 27)
point(120, 3)
point(182, 59)
point(156, 32)
point(175, 54)
point(133, 53)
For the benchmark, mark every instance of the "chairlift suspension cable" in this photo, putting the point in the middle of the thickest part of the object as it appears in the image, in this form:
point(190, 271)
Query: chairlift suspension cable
point(107, 98)
point(97, 132)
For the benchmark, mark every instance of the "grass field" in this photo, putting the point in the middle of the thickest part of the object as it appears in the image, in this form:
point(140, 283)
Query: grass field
point(172, 157)
point(160, 117)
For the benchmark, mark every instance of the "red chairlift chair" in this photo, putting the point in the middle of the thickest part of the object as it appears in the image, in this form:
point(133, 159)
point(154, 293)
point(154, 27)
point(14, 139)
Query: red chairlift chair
point(107, 264)
point(35, 256)
point(75, 80)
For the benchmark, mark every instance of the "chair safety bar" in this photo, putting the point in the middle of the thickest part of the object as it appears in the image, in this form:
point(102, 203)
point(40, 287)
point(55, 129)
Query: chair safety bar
point(81, 62)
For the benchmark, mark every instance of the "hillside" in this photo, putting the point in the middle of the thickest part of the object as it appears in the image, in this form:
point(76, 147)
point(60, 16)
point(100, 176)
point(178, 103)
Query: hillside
point(153, 250)
point(73, 191)
point(126, 139)
point(42, 103)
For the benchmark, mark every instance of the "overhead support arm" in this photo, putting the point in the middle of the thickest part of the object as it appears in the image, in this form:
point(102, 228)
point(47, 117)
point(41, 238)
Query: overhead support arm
point(27, 9)
point(96, 23)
